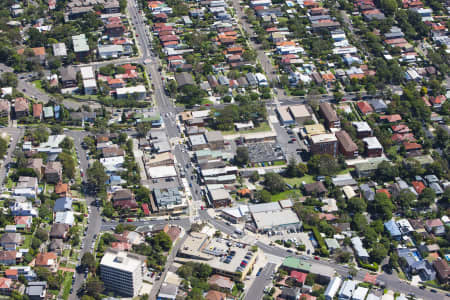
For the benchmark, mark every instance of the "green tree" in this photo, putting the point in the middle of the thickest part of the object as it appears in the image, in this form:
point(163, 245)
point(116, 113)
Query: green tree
point(41, 234)
point(382, 206)
point(162, 240)
point(263, 196)
point(94, 287)
point(274, 183)
point(356, 205)
point(323, 164)
point(405, 199)
point(378, 253)
point(88, 261)
point(386, 171)
point(143, 128)
point(9, 79)
point(254, 177)
point(359, 222)
point(3, 147)
point(389, 6)
point(97, 176)
point(241, 157)
point(68, 164)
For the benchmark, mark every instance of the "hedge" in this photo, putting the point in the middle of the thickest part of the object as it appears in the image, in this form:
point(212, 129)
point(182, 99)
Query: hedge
point(322, 246)
point(371, 267)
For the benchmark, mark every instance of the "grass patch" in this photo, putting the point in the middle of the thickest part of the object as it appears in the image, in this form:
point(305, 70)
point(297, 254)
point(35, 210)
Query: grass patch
point(286, 195)
point(298, 180)
point(67, 284)
point(9, 183)
point(26, 242)
point(261, 128)
point(345, 171)
point(38, 84)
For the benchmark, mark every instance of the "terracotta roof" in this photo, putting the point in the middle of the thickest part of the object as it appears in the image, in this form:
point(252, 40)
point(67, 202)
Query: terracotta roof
point(215, 295)
point(12, 272)
point(42, 259)
point(7, 255)
point(121, 246)
point(115, 81)
point(412, 146)
point(434, 223)
point(221, 281)
point(61, 188)
point(37, 110)
point(5, 283)
point(384, 191)
point(400, 128)
point(418, 186)
point(391, 118)
point(21, 220)
point(364, 107)
point(300, 277)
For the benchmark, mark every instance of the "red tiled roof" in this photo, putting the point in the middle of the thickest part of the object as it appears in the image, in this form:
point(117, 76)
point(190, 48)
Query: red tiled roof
point(300, 277)
point(385, 191)
point(391, 118)
point(145, 209)
point(411, 146)
point(364, 107)
point(418, 186)
point(37, 110)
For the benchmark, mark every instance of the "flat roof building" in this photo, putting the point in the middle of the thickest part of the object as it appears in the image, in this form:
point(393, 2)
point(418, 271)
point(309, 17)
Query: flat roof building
point(276, 220)
point(59, 49)
point(80, 43)
point(324, 144)
point(373, 146)
point(122, 272)
point(300, 113)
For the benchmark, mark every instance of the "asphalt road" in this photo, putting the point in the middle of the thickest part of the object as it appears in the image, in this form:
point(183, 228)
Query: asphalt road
point(16, 134)
point(94, 225)
point(256, 290)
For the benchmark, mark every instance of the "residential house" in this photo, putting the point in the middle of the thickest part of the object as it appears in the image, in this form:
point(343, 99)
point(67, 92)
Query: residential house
point(6, 286)
point(442, 270)
point(62, 189)
point(23, 222)
point(360, 251)
point(362, 129)
point(8, 258)
point(37, 165)
point(373, 146)
point(48, 260)
point(413, 264)
point(68, 77)
point(317, 188)
point(4, 108)
point(57, 246)
point(59, 231)
point(124, 199)
point(53, 172)
point(10, 240)
point(364, 107)
point(221, 283)
point(36, 290)
point(435, 226)
point(21, 107)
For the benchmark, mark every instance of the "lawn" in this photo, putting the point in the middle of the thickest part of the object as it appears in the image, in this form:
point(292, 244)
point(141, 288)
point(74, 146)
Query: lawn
point(298, 180)
point(286, 195)
point(38, 84)
point(261, 128)
point(345, 171)
point(27, 241)
point(67, 284)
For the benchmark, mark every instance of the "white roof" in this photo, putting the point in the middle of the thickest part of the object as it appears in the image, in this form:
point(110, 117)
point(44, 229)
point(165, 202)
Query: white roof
point(323, 138)
point(64, 217)
point(131, 90)
point(237, 212)
point(121, 260)
point(219, 194)
point(201, 113)
point(299, 110)
point(347, 289)
point(360, 293)
point(53, 141)
point(333, 287)
point(264, 207)
point(362, 126)
point(110, 48)
point(372, 143)
point(89, 83)
point(162, 172)
point(59, 49)
point(267, 220)
point(87, 73)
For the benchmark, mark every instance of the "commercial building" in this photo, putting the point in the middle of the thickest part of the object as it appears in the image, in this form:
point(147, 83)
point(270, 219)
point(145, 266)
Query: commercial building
point(110, 51)
point(135, 92)
point(300, 113)
point(329, 114)
point(276, 220)
point(201, 247)
point(219, 197)
point(122, 272)
point(347, 146)
point(214, 139)
point(347, 289)
point(284, 116)
point(373, 147)
point(168, 199)
point(324, 144)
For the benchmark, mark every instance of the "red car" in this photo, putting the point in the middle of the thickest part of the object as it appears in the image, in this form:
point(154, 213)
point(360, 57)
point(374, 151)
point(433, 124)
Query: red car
point(207, 104)
point(316, 258)
point(201, 207)
point(293, 139)
point(129, 220)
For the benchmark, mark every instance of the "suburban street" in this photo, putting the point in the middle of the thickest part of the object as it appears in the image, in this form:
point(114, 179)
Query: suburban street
point(16, 134)
point(95, 221)
point(256, 290)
